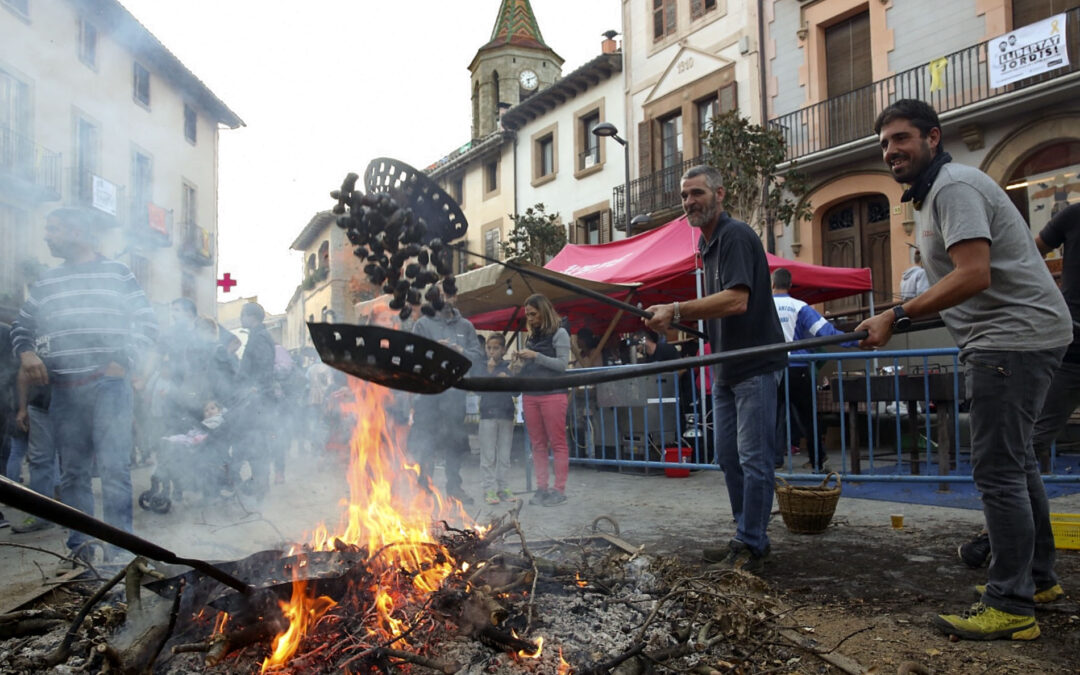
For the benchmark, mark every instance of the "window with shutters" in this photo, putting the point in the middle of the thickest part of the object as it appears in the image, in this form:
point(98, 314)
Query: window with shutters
point(492, 237)
point(848, 76)
point(1025, 12)
point(592, 225)
point(664, 19)
point(707, 109)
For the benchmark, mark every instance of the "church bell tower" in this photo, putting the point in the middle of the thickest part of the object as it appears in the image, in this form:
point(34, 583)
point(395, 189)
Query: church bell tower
point(514, 64)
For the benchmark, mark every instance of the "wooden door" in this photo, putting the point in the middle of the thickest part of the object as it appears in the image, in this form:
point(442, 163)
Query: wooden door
point(855, 233)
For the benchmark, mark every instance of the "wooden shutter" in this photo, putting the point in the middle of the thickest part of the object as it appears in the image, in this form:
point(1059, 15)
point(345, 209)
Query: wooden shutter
point(577, 232)
point(847, 45)
point(727, 97)
point(605, 226)
point(645, 143)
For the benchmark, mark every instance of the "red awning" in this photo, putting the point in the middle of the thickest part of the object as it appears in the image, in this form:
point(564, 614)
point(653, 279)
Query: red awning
point(662, 263)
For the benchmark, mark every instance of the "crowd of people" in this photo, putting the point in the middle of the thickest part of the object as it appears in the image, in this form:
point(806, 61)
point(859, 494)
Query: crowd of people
point(91, 386)
point(88, 355)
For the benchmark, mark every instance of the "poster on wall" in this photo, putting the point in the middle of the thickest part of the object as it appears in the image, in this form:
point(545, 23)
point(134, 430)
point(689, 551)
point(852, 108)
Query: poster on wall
point(1028, 51)
point(1048, 194)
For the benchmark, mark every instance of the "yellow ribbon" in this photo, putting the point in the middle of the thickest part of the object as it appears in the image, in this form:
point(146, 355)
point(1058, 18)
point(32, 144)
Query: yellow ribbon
point(1054, 27)
point(937, 72)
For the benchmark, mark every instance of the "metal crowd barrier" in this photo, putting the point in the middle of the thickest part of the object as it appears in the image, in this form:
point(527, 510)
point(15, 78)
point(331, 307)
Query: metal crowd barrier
point(885, 405)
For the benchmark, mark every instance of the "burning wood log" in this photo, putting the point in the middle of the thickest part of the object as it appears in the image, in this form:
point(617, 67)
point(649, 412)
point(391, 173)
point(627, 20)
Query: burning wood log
point(220, 645)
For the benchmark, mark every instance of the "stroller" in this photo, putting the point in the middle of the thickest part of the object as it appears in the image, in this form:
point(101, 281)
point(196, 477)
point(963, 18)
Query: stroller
point(195, 461)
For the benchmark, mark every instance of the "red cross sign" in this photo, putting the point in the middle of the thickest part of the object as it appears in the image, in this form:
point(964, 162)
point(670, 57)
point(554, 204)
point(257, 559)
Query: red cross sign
point(226, 283)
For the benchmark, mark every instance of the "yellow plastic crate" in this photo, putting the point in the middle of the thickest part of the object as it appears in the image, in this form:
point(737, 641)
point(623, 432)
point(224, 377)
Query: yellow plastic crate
point(1066, 528)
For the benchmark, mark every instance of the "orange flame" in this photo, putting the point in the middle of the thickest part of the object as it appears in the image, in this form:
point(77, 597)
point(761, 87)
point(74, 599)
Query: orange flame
point(537, 651)
point(564, 667)
point(388, 512)
point(303, 611)
point(579, 581)
point(220, 620)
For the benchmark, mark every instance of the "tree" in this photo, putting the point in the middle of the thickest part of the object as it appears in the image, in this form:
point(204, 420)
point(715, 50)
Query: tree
point(748, 155)
point(537, 236)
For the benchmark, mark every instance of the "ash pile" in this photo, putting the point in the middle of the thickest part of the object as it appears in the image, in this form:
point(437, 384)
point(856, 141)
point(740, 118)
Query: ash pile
point(592, 604)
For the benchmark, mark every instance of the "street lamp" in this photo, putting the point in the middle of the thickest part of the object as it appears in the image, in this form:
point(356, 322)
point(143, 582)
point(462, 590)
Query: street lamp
point(609, 129)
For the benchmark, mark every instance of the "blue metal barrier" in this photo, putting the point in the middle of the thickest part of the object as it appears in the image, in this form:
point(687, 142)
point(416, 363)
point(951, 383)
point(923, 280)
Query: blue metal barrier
point(609, 426)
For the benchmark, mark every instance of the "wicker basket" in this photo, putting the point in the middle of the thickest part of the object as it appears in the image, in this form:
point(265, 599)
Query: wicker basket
point(808, 510)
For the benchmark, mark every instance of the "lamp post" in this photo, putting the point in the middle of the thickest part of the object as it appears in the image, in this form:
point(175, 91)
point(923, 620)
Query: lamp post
point(609, 129)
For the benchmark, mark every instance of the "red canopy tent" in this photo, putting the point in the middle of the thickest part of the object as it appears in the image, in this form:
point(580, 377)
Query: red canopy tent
point(662, 263)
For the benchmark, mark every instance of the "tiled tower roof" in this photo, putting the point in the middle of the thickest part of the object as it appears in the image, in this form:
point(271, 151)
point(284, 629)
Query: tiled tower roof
point(516, 25)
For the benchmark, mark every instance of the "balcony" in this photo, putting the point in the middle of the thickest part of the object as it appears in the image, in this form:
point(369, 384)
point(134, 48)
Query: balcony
point(588, 158)
point(197, 246)
point(150, 224)
point(34, 170)
point(104, 198)
point(655, 193)
point(963, 81)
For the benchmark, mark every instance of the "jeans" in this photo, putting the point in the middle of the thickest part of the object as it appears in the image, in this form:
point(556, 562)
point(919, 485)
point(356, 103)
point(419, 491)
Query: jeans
point(94, 421)
point(545, 418)
point(744, 424)
point(496, 436)
point(1007, 391)
point(40, 452)
point(1061, 400)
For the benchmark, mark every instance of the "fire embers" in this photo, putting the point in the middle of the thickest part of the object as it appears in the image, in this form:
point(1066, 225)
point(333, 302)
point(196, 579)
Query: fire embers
point(400, 257)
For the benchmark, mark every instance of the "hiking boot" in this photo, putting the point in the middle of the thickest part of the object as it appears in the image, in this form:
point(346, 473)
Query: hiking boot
point(982, 622)
point(491, 497)
point(975, 553)
point(31, 524)
point(554, 498)
point(507, 495)
point(740, 557)
point(539, 497)
point(1043, 597)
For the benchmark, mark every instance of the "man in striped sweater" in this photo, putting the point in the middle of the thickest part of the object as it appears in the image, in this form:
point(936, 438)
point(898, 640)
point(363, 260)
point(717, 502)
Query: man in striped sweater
point(83, 330)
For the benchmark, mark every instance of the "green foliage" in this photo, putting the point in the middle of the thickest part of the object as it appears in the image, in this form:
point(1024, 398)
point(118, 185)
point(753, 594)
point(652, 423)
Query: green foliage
point(747, 155)
point(537, 236)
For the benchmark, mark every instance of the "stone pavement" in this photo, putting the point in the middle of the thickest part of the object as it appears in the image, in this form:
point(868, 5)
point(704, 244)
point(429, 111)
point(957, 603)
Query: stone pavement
point(666, 514)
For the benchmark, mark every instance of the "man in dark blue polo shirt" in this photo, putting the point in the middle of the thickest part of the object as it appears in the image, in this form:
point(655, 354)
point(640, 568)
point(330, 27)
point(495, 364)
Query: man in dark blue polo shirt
point(739, 312)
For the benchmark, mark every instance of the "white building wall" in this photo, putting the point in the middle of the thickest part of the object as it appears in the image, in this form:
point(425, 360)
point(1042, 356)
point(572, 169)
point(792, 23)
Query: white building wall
point(43, 51)
point(723, 36)
point(567, 193)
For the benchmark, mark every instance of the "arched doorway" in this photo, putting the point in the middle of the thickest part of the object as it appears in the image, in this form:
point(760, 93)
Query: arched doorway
point(1046, 181)
point(855, 233)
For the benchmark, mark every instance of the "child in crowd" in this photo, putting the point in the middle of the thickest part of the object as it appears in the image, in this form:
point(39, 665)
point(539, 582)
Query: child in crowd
point(496, 426)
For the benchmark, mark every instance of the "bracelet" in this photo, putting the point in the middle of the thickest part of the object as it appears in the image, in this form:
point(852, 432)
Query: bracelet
point(678, 315)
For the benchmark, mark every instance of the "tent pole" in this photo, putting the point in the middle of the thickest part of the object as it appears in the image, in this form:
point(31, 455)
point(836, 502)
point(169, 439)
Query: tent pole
point(699, 274)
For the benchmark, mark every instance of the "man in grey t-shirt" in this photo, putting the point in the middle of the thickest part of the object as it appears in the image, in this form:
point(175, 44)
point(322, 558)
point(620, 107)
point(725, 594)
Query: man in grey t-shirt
point(1000, 304)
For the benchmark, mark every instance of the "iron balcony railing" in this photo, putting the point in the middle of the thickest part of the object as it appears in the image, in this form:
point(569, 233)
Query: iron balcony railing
point(26, 161)
point(588, 158)
point(197, 246)
point(89, 190)
point(656, 192)
point(963, 80)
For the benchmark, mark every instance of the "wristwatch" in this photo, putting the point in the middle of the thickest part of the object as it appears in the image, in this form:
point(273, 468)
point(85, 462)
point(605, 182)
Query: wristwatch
point(901, 321)
point(676, 314)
